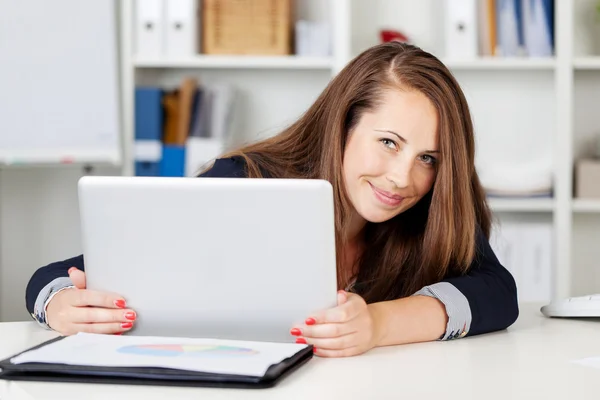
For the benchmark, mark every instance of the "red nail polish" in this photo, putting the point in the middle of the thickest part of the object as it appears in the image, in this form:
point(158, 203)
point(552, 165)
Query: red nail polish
point(120, 303)
point(119, 333)
point(301, 340)
point(310, 321)
point(314, 349)
point(126, 325)
point(130, 315)
point(295, 332)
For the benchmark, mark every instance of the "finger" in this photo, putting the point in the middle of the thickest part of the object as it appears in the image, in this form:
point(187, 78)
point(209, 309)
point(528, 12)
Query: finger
point(344, 312)
point(324, 330)
point(338, 343)
point(101, 315)
point(104, 328)
point(349, 352)
point(83, 298)
point(77, 277)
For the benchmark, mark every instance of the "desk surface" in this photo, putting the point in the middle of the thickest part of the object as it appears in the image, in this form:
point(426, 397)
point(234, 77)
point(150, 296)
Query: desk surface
point(532, 359)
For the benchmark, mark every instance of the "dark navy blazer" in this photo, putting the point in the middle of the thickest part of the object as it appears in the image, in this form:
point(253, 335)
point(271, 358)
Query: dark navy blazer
point(489, 287)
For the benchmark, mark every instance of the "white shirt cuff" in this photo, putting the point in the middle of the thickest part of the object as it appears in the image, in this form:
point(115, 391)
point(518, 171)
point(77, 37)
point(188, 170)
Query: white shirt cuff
point(457, 308)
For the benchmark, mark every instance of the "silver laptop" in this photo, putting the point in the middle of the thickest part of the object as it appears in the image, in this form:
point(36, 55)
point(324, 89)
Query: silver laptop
point(229, 258)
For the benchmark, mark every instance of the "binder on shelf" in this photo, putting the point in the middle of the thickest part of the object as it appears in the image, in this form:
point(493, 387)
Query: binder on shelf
point(461, 29)
point(172, 163)
point(149, 28)
point(525, 250)
point(508, 28)
point(178, 109)
point(148, 120)
point(181, 28)
point(110, 359)
point(538, 27)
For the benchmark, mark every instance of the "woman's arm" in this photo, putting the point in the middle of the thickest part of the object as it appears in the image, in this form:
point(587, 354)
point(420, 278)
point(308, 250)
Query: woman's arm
point(484, 300)
point(408, 320)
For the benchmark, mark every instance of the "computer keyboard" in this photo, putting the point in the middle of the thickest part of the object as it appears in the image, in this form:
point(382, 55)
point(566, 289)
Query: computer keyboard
point(580, 306)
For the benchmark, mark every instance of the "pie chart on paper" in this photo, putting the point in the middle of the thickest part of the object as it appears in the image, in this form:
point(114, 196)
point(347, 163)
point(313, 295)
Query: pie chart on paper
point(185, 350)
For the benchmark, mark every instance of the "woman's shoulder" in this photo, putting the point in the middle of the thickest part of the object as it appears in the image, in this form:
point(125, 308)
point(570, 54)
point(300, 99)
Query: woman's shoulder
point(229, 167)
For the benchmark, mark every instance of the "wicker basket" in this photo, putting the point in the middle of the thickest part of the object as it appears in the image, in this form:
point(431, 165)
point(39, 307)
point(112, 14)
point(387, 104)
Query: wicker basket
point(250, 27)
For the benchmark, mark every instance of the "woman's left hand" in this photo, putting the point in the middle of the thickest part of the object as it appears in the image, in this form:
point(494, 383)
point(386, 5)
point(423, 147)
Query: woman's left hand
point(346, 330)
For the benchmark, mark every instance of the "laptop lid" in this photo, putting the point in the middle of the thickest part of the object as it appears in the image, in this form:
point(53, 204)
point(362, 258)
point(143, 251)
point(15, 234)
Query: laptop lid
point(211, 257)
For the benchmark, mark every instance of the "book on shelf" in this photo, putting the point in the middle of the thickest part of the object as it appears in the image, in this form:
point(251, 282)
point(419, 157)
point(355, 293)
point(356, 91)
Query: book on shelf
point(177, 131)
point(499, 28)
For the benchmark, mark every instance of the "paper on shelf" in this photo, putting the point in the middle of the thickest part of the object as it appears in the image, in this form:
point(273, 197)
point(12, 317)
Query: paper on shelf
point(192, 354)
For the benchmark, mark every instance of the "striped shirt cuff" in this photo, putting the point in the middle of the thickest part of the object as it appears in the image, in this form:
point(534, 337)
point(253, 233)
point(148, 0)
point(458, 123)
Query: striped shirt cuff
point(44, 297)
point(457, 308)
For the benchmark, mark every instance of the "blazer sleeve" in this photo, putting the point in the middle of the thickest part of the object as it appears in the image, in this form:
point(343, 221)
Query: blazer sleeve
point(47, 280)
point(490, 290)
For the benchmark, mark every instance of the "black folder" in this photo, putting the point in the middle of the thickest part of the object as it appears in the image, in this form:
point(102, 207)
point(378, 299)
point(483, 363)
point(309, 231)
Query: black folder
point(46, 372)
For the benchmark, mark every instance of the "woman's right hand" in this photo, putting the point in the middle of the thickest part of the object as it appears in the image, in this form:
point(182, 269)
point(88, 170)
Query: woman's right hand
point(80, 310)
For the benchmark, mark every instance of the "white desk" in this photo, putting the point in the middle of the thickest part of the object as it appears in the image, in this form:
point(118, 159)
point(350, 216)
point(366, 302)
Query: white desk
point(532, 360)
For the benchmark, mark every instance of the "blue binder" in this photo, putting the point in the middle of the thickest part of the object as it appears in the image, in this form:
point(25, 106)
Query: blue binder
point(149, 120)
point(173, 161)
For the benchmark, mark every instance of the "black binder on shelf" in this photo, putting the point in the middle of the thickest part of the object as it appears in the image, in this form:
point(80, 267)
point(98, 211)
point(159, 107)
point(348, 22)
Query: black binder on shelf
point(47, 372)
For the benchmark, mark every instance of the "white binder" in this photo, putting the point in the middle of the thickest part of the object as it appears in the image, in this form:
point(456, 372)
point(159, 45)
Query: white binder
point(149, 28)
point(181, 28)
point(461, 29)
point(538, 36)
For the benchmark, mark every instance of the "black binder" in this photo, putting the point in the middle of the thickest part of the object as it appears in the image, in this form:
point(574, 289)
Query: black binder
point(46, 372)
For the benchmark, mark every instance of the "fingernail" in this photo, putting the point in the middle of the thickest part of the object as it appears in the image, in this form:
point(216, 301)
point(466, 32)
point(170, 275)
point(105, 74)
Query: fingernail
point(310, 321)
point(301, 340)
point(314, 349)
point(119, 333)
point(295, 332)
point(120, 303)
point(130, 315)
point(126, 325)
point(71, 270)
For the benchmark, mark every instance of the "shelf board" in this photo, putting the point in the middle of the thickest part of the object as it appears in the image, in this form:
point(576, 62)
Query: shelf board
point(587, 63)
point(238, 62)
point(498, 63)
point(520, 204)
point(586, 205)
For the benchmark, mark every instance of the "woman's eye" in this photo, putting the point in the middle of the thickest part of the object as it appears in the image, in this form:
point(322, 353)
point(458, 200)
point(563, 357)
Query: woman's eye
point(428, 159)
point(388, 143)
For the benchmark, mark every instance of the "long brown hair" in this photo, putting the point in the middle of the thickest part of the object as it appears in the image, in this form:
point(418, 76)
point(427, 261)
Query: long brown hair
point(433, 239)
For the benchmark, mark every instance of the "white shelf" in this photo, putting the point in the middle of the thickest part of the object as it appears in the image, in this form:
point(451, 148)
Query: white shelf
point(586, 206)
point(497, 63)
point(238, 62)
point(521, 205)
point(589, 63)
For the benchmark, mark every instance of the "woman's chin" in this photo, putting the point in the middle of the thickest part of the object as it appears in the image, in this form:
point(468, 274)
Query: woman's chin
point(378, 215)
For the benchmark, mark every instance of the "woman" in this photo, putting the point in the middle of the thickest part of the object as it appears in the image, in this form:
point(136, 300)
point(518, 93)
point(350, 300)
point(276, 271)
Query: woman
point(393, 134)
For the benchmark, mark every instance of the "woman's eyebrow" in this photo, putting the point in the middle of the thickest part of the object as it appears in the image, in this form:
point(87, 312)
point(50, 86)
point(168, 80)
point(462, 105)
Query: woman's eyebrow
point(402, 139)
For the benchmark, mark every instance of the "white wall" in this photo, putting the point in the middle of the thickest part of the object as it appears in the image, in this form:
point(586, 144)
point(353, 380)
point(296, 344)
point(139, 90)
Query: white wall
point(40, 224)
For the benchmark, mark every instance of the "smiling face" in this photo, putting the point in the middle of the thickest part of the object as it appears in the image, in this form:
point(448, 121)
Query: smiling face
point(391, 154)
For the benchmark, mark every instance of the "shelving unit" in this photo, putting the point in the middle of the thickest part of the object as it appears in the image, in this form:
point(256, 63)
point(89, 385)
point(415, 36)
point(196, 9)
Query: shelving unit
point(519, 104)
